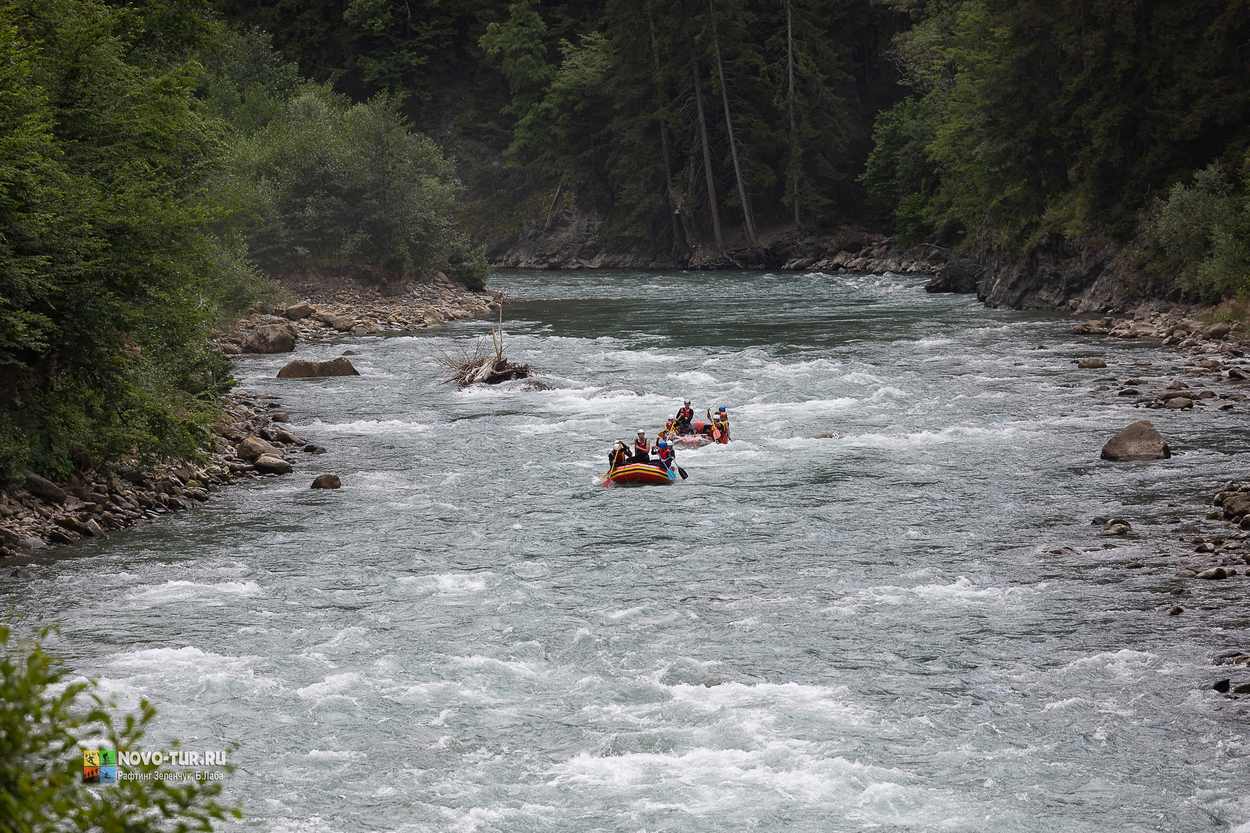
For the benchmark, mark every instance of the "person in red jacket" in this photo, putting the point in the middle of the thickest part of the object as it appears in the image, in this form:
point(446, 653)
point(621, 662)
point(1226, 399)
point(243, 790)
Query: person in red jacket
point(666, 454)
point(642, 449)
point(684, 415)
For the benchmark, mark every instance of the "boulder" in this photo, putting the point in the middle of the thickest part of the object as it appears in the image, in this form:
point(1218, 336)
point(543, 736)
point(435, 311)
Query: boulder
point(1217, 330)
point(1236, 505)
point(327, 481)
point(1178, 403)
point(43, 488)
point(307, 369)
point(312, 448)
point(270, 338)
point(299, 311)
point(1091, 363)
point(1214, 574)
point(1116, 526)
point(272, 464)
point(253, 448)
point(1138, 441)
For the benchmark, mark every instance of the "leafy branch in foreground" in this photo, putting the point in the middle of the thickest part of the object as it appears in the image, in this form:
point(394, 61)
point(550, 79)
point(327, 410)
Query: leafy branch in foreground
point(44, 716)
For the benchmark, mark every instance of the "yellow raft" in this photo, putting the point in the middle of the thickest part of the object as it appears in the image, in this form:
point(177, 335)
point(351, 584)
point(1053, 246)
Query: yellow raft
point(640, 474)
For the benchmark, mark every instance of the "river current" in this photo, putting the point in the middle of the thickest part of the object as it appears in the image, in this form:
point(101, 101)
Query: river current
point(859, 615)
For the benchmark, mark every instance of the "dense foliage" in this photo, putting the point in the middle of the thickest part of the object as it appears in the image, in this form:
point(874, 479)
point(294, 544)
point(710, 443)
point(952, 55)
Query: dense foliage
point(153, 162)
point(991, 123)
point(669, 118)
point(45, 716)
point(1029, 119)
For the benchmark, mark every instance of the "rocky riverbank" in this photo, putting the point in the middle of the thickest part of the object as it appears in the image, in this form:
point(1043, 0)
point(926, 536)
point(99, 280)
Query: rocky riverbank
point(1211, 371)
point(249, 439)
point(330, 312)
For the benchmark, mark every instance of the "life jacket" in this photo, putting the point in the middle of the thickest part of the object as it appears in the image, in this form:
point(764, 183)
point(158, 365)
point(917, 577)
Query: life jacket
point(617, 457)
point(665, 453)
point(722, 425)
point(642, 448)
point(685, 414)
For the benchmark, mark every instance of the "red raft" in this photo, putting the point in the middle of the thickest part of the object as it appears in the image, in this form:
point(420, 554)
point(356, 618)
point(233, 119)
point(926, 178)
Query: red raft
point(640, 474)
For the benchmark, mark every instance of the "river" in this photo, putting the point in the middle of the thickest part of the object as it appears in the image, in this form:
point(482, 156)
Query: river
point(856, 616)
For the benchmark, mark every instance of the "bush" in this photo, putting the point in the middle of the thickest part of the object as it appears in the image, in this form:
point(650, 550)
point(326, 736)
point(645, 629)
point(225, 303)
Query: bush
point(44, 717)
point(333, 185)
point(1202, 231)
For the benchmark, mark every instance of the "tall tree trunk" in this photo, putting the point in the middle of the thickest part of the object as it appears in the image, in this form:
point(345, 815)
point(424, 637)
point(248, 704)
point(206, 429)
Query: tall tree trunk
point(662, 103)
point(707, 160)
point(794, 141)
point(729, 127)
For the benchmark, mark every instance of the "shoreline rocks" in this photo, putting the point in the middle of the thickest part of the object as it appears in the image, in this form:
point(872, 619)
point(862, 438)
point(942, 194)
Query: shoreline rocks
point(247, 440)
point(245, 443)
point(327, 313)
point(310, 369)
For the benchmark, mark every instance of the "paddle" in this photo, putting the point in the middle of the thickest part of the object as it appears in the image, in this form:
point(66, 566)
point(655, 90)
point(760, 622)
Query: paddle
point(681, 471)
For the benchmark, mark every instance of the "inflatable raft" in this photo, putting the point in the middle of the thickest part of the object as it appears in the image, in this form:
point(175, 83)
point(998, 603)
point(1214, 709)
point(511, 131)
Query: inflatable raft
point(639, 474)
point(692, 440)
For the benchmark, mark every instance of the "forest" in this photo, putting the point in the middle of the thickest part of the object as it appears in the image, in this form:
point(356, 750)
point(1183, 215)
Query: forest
point(163, 162)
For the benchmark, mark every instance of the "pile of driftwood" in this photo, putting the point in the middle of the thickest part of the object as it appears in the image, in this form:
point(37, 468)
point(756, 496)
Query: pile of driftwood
point(478, 366)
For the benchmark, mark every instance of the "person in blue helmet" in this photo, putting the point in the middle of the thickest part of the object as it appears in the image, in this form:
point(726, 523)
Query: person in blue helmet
point(666, 455)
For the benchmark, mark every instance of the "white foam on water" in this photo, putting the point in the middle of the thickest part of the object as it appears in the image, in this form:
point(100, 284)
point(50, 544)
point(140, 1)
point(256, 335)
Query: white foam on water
point(962, 591)
point(694, 377)
point(636, 357)
point(187, 658)
point(720, 782)
point(511, 668)
point(366, 426)
point(451, 584)
point(770, 701)
point(887, 392)
point(335, 686)
point(335, 755)
point(970, 434)
point(180, 591)
point(1124, 664)
point(787, 410)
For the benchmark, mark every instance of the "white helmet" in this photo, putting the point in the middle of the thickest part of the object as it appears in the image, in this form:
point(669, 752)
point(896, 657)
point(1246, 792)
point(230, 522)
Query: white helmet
point(641, 431)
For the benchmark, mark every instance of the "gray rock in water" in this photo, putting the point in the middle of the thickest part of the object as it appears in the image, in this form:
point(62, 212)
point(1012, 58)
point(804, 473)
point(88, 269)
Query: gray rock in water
point(1117, 526)
point(270, 338)
point(44, 488)
point(1091, 363)
point(1222, 686)
point(327, 481)
point(1236, 505)
point(253, 448)
point(306, 369)
point(270, 464)
point(1138, 441)
point(1179, 403)
point(1213, 574)
point(1175, 610)
point(312, 448)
